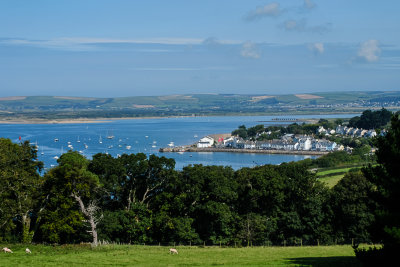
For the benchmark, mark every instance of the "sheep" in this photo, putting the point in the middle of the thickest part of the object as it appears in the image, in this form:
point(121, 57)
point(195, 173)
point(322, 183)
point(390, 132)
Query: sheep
point(7, 250)
point(173, 251)
point(27, 250)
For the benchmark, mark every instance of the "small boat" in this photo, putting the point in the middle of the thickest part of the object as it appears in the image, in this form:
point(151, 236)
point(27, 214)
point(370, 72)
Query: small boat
point(146, 136)
point(55, 157)
point(171, 144)
point(56, 139)
point(100, 140)
point(78, 141)
point(110, 135)
point(128, 147)
point(86, 146)
point(195, 136)
point(80, 152)
point(153, 146)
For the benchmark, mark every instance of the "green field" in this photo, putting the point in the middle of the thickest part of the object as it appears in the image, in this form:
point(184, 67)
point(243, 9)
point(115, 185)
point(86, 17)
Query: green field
point(331, 176)
point(124, 255)
point(331, 181)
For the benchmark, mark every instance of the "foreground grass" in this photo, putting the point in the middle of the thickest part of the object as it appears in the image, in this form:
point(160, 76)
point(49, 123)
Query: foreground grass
point(120, 255)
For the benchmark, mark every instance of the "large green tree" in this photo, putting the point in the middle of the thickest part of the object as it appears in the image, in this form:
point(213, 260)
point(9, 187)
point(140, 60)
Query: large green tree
point(72, 198)
point(20, 185)
point(352, 207)
point(386, 179)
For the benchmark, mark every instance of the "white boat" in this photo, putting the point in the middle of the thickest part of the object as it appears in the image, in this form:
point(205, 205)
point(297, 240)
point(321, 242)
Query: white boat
point(55, 139)
point(153, 146)
point(78, 141)
point(171, 144)
point(86, 146)
point(100, 140)
point(128, 147)
point(110, 135)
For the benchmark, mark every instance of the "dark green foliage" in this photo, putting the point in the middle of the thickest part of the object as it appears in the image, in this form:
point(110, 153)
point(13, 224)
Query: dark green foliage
point(286, 198)
point(62, 220)
point(241, 132)
point(334, 159)
point(386, 179)
point(352, 207)
point(371, 119)
point(20, 186)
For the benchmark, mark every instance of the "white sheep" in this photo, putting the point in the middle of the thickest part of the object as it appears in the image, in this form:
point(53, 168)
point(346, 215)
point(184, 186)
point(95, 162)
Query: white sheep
point(173, 251)
point(27, 250)
point(7, 250)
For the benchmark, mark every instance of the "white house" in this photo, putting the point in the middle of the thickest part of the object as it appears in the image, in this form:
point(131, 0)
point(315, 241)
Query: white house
point(205, 142)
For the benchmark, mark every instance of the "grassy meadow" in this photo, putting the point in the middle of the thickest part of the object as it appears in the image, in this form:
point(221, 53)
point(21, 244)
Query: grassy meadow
point(124, 255)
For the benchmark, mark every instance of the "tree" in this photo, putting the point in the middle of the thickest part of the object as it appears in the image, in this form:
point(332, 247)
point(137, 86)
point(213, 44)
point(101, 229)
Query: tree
point(20, 185)
point(71, 182)
point(241, 132)
point(352, 207)
point(211, 192)
point(386, 179)
point(144, 177)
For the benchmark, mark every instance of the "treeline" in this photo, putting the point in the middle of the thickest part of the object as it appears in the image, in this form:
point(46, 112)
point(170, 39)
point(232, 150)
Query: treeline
point(260, 132)
point(139, 199)
point(371, 119)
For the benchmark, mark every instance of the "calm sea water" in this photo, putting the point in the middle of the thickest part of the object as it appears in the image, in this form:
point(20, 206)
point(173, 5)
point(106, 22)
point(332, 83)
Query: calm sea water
point(147, 136)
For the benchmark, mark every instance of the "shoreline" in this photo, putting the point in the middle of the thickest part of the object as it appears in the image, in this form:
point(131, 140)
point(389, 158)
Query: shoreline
point(8, 120)
point(237, 150)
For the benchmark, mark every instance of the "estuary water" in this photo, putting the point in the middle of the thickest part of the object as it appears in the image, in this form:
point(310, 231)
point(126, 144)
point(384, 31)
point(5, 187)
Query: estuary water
point(147, 136)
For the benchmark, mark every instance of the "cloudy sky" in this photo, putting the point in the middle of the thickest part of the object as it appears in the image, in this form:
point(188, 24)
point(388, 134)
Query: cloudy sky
point(111, 48)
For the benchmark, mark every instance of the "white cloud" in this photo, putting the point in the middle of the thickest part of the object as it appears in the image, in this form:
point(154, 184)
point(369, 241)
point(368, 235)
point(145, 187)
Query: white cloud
point(369, 51)
point(89, 44)
point(269, 10)
point(317, 48)
point(301, 26)
point(249, 50)
point(309, 4)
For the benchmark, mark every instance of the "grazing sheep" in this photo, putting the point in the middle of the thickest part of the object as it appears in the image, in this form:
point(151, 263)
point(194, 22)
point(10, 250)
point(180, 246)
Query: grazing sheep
point(173, 251)
point(27, 250)
point(7, 250)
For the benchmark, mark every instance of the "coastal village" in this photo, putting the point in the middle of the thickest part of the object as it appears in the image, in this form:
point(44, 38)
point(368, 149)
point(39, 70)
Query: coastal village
point(288, 143)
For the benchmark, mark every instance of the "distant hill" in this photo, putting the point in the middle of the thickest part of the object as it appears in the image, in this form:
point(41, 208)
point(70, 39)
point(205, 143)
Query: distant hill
point(53, 107)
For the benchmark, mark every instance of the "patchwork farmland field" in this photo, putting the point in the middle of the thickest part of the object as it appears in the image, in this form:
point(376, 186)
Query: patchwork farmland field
point(124, 255)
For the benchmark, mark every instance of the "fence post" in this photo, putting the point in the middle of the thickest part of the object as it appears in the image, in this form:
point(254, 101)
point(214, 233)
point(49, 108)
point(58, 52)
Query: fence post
point(318, 242)
point(284, 243)
point(352, 242)
point(204, 244)
point(190, 243)
point(174, 245)
point(301, 242)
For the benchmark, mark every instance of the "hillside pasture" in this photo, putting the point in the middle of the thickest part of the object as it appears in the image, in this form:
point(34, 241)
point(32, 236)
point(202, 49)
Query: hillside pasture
point(129, 255)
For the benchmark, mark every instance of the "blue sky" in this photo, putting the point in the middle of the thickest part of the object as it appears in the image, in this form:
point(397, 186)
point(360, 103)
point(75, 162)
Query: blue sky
point(111, 48)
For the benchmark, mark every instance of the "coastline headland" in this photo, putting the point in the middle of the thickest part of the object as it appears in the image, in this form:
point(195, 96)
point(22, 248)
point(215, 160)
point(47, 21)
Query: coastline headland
point(181, 149)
